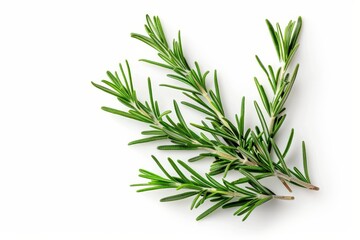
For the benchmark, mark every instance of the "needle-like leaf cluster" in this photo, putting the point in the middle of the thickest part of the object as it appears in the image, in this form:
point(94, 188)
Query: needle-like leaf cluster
point(207, 188)
point(253, 153)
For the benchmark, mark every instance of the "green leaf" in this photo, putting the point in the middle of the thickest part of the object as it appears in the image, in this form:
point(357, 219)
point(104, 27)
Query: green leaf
point(113, 86)
point(117, 79)
point(300, 175)
point(180, 78)
point(177, 170)
point(287, 34)
point(179, 115)
point(273, 37)
point(237, 203)
point(197, 158)
point(149, 139)
point(280, 37)
point(156, 63)
point(287, 91)
point(296, 33)
point(149, 175)
point(178, 196)
point(198, 100)
point(216, 132)
point(140, 116)
point(259, 176)
point(215, 102)
point(162, 168)
point(255, 181)
point(179, 88)
point(202, 199)
point(280, 157)
point(176, 147)
point(215, 183)
point(144, 39)
point(288, 143)
point(266, 72)
point(263, 96)
point(151, 95)
point(291, 55)
point(267, 155)
point(234, 188)
point(247, 154)
point(279, 121)
point(262, 120)
point(153, 188)
point(242, 117)
point(130, 77)
point(217, 90)
point(124, 114)
point(152, 132)
point(164, 114)
point(193, 172)
point(107, 90)
point(273, 77)
point(198, 109)
point(196, 198)
point(213, 208)
point(258, 203)
point(245, 207)
point(306, 171)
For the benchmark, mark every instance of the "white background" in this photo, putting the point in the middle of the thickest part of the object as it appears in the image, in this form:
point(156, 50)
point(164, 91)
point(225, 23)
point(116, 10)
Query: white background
point(65, 167)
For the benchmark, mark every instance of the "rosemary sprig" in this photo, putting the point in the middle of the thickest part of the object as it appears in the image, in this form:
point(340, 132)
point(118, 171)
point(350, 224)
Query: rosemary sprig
point(248, 152)
point(225, 195)
point(281, 84)
point(161, 124)
point(209, 102)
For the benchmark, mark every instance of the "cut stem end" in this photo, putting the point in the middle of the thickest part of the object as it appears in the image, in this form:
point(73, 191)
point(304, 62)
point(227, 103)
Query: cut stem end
point(315, 188)
point(284, 197)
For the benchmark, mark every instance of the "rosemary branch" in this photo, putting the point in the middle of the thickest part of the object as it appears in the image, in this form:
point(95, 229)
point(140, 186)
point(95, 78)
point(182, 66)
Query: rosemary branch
point(225, 195)
point(249, 152)
point(174, 59)
point(164, 126)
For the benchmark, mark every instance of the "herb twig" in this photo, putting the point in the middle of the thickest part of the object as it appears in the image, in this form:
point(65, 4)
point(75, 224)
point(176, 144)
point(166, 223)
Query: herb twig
point(225, 195)
point(209, 102)
point(247, 151)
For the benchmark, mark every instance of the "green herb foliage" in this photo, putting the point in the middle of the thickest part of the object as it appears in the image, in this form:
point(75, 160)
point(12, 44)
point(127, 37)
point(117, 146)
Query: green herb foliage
point(253, 153)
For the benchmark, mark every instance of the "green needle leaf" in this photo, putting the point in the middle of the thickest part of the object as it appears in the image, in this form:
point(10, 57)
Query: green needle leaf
point(258, 203)
point(178, 88)
point(262, 120)
point(280, 157)
point(107, 90)
point(125, 114)
point(156, 63)
point(288, 143)
point(197, 158)
point(213, 208)
point(176, 147)
point(178, 171)
point(296, 33)
point(255, 181)
point(263, 96)
point(273, 37)
point(178, 196)
point(305, 162)
point(149, 139)
point(242, 117)
point(194, 173)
